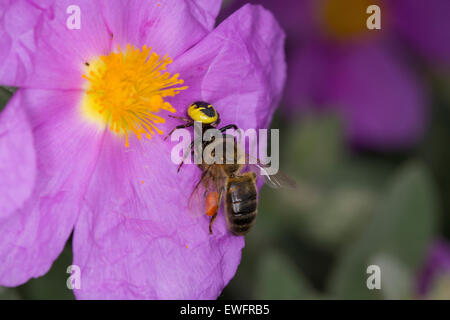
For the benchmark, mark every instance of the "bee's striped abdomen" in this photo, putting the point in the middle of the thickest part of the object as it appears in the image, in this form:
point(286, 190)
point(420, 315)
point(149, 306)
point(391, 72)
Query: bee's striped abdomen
point(241, 203)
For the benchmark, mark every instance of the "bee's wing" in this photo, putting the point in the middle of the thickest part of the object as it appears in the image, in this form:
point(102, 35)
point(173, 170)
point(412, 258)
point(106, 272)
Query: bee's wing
point(276, 181)
point(196, 203)
point(205, 185)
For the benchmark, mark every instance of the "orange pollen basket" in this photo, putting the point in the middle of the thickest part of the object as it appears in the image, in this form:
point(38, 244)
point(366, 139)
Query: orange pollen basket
point(212, 203)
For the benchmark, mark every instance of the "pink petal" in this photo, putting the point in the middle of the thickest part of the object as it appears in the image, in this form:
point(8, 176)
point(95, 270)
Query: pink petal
point(425, 25)
point(18, 20)
point(66, 150)
point(309, 69)
point(168, 26)
point(17, 157)
point(382, 100)
point(43, 51)
point(296, 17)
point(135, 238)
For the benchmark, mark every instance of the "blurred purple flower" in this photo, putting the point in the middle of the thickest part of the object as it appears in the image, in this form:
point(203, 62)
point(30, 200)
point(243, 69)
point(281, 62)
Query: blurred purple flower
point(437, 263)
point(425, 26)
point(336, 63)
point(127, 207)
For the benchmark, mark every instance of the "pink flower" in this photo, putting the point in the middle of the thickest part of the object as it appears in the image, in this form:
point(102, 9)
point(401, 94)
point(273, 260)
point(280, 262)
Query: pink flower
point(366, 76)
point(126, 206)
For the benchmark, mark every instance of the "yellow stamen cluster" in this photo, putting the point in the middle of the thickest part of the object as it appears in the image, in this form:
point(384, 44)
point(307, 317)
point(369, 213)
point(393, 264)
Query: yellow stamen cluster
point(127, 89)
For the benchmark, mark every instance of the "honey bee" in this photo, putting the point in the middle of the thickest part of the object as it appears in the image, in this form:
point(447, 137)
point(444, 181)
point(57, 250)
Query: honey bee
point(226, 179)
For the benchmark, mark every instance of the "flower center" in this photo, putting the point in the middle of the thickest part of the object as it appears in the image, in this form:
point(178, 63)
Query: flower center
point(345, 19)
point(127, 89)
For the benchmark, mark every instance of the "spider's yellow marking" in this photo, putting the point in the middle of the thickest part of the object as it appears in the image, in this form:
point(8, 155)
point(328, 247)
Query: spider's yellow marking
point(125, 91)
point(204, 113)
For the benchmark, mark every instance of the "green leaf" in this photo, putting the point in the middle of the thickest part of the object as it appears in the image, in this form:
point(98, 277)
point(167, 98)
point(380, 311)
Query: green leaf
point(402, 225)
point(5, 94)
point(316, 146)
point(397, 280)
point(440, 288)
point(278, 278)
point(9, 294)
point(336, 189)
point(337, 217)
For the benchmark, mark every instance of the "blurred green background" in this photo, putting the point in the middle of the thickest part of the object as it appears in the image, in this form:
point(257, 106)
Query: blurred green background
point(354, 207)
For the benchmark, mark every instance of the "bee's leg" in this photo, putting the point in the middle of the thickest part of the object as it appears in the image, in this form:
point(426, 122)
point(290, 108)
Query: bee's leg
point(179, 167)
point(213, 218)
point(186, 155)
point(190, 124)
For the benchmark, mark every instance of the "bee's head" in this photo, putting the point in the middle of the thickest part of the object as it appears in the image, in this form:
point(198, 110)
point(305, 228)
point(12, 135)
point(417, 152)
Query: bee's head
point(203, 112)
